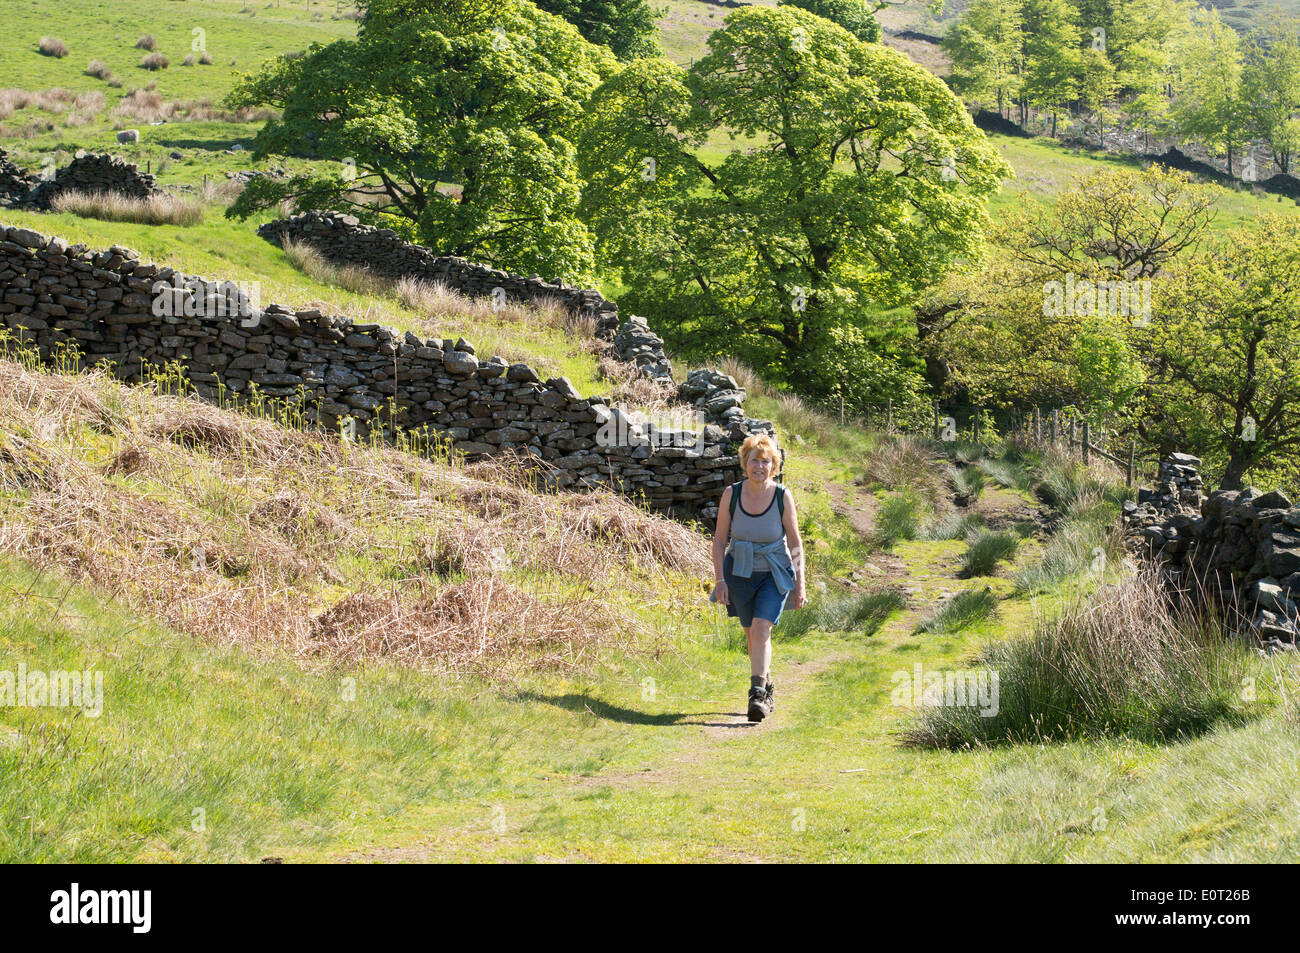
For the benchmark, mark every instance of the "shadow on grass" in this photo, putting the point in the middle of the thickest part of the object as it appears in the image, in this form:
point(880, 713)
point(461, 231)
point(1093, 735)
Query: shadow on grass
point(610, 712)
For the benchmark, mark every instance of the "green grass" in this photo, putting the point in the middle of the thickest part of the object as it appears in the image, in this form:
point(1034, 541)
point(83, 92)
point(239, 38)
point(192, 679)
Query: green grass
point(984, 550)
point(249, 33)
point(968, 608)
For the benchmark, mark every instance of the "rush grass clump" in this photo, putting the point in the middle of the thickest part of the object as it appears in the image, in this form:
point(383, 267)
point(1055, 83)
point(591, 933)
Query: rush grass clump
point(158, 209)
point(1121, 661)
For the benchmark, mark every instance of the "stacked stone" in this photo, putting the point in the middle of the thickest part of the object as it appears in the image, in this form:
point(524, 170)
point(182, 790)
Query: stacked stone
point(15, 184)
point(714, 394)
point(92, 173)
point(1239, 547)
point(636, 344)
point(107, 304)
point(342, 238)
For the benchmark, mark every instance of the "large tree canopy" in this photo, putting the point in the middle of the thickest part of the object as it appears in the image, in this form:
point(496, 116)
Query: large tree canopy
point(856, 178)
point(626, 26)
point(451, 121)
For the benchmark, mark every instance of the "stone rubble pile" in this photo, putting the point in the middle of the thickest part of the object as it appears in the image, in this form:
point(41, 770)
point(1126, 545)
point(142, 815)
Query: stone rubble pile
point(115, 308)
point(1240, 548)
point(15, 183)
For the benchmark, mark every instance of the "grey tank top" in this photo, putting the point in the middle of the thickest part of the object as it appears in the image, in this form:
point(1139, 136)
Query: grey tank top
point(759, 528)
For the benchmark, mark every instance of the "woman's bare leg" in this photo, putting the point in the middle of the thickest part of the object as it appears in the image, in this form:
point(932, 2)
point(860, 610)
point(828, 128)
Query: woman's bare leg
point(759, 639)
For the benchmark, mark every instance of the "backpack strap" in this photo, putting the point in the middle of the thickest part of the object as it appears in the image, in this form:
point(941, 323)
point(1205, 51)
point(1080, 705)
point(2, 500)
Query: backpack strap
point(735, 499)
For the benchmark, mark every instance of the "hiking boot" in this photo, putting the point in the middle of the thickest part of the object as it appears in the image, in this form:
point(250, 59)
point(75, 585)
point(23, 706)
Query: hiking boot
point(760, 703)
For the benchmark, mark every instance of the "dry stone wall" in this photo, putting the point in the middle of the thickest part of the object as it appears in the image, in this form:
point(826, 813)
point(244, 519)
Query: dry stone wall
point(117, 309)
point(342, 238)
point(85, 173)
point(1239, 547)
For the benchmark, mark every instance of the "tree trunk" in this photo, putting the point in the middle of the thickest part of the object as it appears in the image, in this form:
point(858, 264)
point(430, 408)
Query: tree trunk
point(1238, 462)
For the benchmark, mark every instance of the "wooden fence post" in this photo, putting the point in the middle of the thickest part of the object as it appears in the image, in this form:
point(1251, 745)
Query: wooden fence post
point(1087, 435)
point(1132, 463)
point(1056, 414)
point(889, 415)
point(936, 420)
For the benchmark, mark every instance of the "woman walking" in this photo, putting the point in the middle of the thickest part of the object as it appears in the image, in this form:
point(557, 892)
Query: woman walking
point(756, 521)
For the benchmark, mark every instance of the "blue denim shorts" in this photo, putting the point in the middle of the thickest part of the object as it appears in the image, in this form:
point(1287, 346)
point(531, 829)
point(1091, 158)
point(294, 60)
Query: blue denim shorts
point(755, 597)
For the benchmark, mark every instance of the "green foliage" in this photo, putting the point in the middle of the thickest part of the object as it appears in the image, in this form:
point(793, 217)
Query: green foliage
point(450, 122)
point(626, 26)
point(1223, 352)
point(854, 15)
point(785, 253)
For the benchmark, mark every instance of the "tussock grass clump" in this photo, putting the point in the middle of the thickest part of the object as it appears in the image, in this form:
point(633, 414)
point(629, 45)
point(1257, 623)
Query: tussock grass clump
point(955, 525)
point(53, 46)
point(898, 518)
point(1120, 662)
point(154, 62)
point(984, 550)
point(967, 484)
point(205, 59)
point(1005, 472)
point(962, 611)
point(911, 462)
point(146, 42)
point(746, 377)
point(188, 61)
point(99, 69)
point(1081, 545)
point(860, 612)
point(1064, 481)
point(158, 209)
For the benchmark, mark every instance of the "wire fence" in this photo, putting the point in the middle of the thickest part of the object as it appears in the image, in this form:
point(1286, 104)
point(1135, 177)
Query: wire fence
point(1091, 436)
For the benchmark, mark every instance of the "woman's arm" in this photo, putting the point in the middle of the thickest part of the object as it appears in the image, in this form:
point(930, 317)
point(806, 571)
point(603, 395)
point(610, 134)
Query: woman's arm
point(721, 536)
point(791, 523)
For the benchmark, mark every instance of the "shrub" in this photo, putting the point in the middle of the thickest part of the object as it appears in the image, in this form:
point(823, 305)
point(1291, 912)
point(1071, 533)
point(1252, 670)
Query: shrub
point(984, 549)
point(53, 46)
point(960, 612)
point(146, 42)
point(99, 69)
point(116, 207)
point(188, 61)
point(205, 59)
point(155, 61)
point(1121, 662)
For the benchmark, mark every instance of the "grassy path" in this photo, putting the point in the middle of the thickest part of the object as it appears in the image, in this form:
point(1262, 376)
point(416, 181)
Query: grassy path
point(823, 778)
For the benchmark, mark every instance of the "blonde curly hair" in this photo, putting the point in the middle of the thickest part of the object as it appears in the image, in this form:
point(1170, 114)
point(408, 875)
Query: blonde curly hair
point(763, 445)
